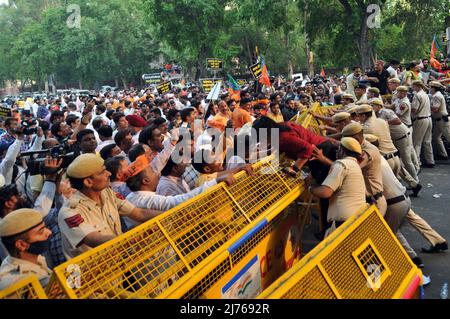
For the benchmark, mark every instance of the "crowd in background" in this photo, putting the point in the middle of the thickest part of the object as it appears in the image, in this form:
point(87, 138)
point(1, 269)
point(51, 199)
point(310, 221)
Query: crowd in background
point(78, 171)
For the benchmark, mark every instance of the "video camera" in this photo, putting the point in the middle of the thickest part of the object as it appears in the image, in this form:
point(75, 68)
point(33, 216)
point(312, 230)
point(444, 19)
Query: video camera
point(27, 127)
point(36, 165)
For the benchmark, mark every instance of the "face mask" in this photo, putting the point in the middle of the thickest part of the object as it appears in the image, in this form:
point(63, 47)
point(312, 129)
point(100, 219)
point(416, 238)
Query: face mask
point(39, 247)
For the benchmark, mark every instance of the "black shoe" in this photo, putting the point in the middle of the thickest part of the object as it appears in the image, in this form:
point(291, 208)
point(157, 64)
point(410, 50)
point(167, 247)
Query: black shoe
point(429, 165)
point(436, 248)
point(418, 262)
point(416, 190)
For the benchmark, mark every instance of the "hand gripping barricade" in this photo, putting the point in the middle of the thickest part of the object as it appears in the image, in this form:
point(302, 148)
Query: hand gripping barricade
point(186, 250)
point(362, 259)
point(27, 288)
point(202, 247)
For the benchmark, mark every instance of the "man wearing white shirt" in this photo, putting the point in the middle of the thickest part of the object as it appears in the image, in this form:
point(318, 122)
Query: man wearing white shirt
point(105, 135)
point(73, 110)
point(144, 184)
point(353, 79)
point(392, 69)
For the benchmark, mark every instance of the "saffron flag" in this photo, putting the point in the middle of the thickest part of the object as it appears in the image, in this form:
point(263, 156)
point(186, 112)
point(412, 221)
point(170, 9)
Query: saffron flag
point(265, 74)
point(434, 49)
point(322, 73)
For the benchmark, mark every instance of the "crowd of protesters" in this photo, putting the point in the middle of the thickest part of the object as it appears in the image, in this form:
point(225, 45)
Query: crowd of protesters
point(77, 171)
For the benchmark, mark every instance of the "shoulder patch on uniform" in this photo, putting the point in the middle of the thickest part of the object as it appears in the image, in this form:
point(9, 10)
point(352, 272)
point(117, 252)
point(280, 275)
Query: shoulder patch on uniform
point(74, 221)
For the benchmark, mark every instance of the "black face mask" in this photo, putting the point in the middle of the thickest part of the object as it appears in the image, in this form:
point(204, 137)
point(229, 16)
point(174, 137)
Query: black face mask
point(39, 247)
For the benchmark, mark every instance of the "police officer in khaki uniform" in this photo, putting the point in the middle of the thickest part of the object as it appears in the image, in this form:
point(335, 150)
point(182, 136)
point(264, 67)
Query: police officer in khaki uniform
point(402, 107)
point(393, 84)
point(378, 127)
point(373, 93)
point(400, 138)
point(26, 238)
point(370, 165)
point(397, 203)
point(361, 93)
point(441, 124)
point(422, 124)
point(344, 185)
point(348, 101)
point(341, 120)
point(91, 217)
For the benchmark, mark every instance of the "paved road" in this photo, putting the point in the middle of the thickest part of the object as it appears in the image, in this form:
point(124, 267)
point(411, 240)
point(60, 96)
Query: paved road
point(436, 211)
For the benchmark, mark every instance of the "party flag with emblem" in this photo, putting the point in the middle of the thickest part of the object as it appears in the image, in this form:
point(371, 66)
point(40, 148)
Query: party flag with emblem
point(434, 49)
point(233, 84)
point(265, 74)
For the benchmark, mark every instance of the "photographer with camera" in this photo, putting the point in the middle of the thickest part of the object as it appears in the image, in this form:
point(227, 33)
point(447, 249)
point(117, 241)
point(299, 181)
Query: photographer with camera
point(12, 199)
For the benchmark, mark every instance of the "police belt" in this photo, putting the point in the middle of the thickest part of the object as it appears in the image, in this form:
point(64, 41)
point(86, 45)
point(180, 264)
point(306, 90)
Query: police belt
point(404, 136)
point(421, 118)
point(396, 200)
point(392, 155)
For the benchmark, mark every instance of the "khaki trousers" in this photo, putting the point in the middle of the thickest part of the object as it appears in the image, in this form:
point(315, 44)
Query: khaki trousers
point(441, 128)
point(422, 139)
point(424, 228)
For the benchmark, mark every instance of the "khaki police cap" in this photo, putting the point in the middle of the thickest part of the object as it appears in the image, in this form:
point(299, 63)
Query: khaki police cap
point(348, 96)
point(352, 109)
point(402, 88)
point(436, 84)
point(19, 221)
point(85, 165)
point(351, 144)
point(377, 102)
point(374, 90)
point(418, 82)
point(394, 80)
point(352, 129)
point(340, 117)
point(371, 138)
point(363, 108)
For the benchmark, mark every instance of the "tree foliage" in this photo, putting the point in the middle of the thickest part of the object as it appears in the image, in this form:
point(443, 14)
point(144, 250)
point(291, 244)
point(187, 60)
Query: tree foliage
point(118, 39)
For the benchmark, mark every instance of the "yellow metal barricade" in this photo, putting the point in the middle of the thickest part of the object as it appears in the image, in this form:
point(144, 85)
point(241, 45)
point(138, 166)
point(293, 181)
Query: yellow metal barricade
point(361, 259)
point(27, 288)
point(157, 258)
point(255, 260)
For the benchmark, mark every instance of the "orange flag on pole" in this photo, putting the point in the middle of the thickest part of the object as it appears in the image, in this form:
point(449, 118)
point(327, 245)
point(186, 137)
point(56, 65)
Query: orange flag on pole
point(434, 49)
point(322, 73)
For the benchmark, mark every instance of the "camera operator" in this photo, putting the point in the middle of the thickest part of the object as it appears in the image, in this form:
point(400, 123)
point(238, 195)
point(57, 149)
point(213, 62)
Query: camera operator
point(12, 199)
point(15, 143)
